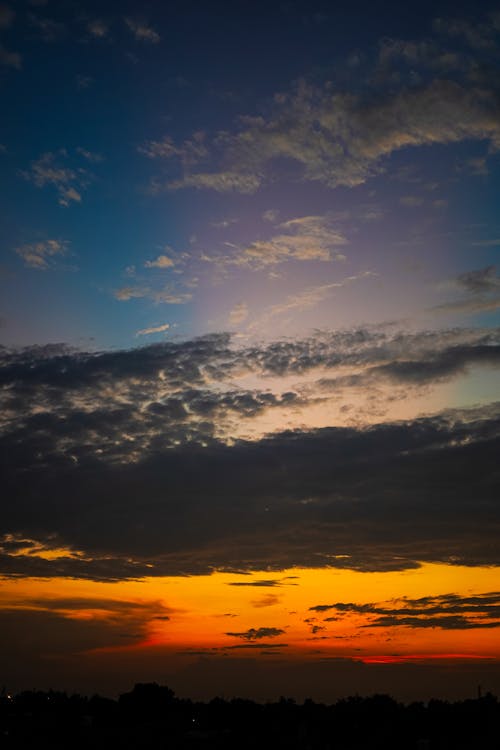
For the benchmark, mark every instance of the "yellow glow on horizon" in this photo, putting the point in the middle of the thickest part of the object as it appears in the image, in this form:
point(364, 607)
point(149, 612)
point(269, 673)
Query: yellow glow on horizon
point(200, 612)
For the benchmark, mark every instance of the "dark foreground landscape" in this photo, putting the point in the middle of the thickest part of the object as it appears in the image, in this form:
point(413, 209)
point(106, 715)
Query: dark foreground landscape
point(151, 716)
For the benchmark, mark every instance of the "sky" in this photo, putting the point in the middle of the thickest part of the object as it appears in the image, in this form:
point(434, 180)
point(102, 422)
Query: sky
point(249, 347)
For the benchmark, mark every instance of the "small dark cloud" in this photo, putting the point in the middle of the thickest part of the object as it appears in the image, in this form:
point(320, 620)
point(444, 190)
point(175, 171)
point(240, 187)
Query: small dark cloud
point(265, 646)
point(266, 601)
point(261, 583)
point(255, 634)
point(480, 280)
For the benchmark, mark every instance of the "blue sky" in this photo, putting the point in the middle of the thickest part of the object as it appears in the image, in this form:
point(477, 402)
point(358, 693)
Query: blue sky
point(183, 134)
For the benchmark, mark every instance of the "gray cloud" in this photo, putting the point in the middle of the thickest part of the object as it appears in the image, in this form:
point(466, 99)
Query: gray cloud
point(338, 138)
point(266, 583)
point(10, 59)
point(256, 634)
point(482, 287)
point(447, 612)
point(94, 447)
point(143, 32)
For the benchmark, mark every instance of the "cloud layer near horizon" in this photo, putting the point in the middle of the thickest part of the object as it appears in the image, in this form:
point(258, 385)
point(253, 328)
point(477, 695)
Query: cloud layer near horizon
point(114, 460)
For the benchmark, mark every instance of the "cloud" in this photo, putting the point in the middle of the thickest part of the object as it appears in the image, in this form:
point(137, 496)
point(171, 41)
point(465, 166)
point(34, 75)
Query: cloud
point(483, 287)
point(341, 139)
point(153, 329)
point(142, 31)
point(238, 314)
point(479, 36)
point(487, 243)
point(102, 430)
point(221, 182)
point(480, 280)
point(57, 627)
point(84, 82)
point(256, 634)
point(168, 295)
point(6, 16)
point(266, 601)
point(271, 215)
point(10, 59)
point(48, 29)
point(446, 611)
point(306, 299)
point(308, 238)
point(265, 583)
point(98, 28)
point(39, 255)
point(255, 645)
point(52, 169)
point(190, 152)
point(411, 201)
point(162, 261)
point(90, 155)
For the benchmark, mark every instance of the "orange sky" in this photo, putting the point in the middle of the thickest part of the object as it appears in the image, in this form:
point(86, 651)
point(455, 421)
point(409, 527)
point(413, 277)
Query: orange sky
point(253, 615)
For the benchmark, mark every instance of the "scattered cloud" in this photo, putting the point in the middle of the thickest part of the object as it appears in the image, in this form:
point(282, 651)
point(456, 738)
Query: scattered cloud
point(6, 16)
point(271, 215)
point(238, 314)
point(153, 329)
point(162, 261)
point(142, 31)
point(446, 611)
point(90, 156)
point(40, 255)
point(487, 243)
point(221, 182)
point(337, 138)
point(482, 287)
point(48, 29)
point(263, 583)
point(308, 238)
point(190, 152)
point(256, 634)
point(52, 169)
point(84, 82)
point(480, 280)
point(10, 59)
point(411, 201)
point(168, 295)
point(306, 299)
point(98, 28)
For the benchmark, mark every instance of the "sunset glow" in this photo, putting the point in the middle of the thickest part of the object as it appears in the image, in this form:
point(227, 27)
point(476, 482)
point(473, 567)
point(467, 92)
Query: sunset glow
point(250, 406)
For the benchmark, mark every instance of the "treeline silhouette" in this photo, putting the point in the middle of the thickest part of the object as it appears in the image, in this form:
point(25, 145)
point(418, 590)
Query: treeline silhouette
point(151, 716)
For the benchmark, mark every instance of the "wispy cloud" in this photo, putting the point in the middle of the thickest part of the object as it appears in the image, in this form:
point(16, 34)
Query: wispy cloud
point(39, 255)
point(168, 295)
point(98, 28)
point(337, 138)
point(154, 329)
point(162, 261)
point(6, 16)
point(10, 59)
point(482, 287)
point(142, 31)
point(308, 238)
point(307, 298)
point(238, 314)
